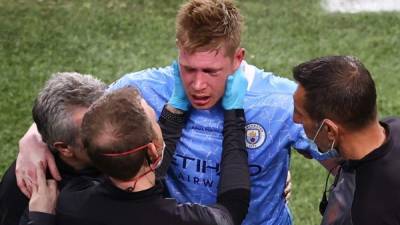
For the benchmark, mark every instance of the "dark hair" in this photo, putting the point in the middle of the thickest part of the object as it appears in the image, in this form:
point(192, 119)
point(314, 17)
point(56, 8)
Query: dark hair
point(340, 88)
point(117, 123)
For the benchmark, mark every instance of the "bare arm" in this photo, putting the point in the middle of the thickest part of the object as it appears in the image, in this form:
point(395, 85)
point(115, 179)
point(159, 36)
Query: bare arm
point(33, 151)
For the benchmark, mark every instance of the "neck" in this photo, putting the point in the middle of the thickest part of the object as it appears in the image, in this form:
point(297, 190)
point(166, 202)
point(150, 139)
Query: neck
point(356, 145)
point(142, 182)
point(74, 163)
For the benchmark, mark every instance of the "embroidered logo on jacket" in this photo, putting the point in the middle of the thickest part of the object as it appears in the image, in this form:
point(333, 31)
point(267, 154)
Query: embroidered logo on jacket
point(255, 135)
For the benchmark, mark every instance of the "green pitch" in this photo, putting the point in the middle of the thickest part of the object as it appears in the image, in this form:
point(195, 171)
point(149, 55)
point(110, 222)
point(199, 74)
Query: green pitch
point(114, 37)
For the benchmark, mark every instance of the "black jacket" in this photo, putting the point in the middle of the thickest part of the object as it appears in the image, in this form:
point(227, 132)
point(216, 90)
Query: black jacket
point(88, 202)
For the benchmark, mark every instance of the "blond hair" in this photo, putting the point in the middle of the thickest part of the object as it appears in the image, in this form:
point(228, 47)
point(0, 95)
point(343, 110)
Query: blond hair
point(203, 25)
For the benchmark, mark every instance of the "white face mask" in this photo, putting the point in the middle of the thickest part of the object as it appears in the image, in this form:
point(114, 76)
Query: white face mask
point(333, 152)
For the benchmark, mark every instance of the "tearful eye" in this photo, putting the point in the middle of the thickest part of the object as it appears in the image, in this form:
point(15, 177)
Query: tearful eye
point(212, 72)
point(189, 70)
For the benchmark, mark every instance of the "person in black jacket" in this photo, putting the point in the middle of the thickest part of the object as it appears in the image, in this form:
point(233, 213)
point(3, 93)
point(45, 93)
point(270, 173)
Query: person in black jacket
point(336, 103)
point(57, 112)
point(124, 141)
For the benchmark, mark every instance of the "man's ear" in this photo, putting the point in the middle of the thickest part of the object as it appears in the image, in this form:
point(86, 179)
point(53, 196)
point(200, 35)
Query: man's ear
point(238, 57)
point(63, 149)
point(152, 152)
point(332, 130)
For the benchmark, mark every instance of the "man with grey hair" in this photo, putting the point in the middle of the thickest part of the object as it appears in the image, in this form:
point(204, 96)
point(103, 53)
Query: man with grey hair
point(57, 112)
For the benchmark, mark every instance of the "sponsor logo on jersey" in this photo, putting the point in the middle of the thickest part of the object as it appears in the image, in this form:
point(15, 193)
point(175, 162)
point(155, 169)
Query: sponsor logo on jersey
point(255, 135)
point(201, 171)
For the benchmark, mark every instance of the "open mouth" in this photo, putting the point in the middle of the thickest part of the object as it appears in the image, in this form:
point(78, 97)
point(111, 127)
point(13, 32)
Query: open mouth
point(200, 100)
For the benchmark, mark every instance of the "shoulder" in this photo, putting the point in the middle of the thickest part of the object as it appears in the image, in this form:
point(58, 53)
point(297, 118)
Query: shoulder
point(262, 82)
point(75, 193)
point(81, 183)
point(198, 213)
point(153, 76)
point(155, 85)
point(268, 96)
point(393, 122)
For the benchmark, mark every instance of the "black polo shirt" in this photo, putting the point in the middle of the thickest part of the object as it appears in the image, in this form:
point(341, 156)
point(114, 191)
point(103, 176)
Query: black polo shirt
point(377, 193)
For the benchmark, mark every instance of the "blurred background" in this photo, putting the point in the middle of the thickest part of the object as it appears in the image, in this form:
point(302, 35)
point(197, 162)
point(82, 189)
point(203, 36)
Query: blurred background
point(109, 38)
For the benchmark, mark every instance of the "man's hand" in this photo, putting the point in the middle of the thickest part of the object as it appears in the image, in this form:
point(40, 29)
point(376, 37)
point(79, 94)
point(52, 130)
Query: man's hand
point(178, 99)
point(235, 91)
point(288, 187)
point(32, 152)
point(44, 193)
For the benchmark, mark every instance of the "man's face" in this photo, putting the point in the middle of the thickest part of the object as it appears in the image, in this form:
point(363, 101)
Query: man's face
point(204, 75)
point(77, 148)
point(159, 142)
point(310, 126)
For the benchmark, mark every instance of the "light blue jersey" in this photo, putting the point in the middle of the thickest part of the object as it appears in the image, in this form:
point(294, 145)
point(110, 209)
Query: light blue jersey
point(270, 134)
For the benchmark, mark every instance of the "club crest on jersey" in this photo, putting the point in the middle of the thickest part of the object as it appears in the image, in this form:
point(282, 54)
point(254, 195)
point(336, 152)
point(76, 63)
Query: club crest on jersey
point(255, 135)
